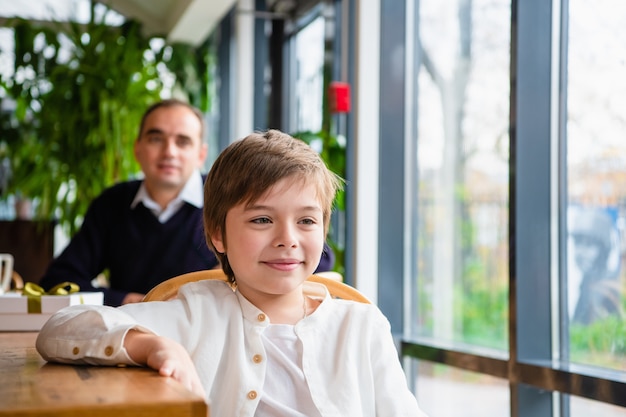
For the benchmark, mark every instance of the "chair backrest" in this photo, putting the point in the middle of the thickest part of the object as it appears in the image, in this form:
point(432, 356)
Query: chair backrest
point(169, 288)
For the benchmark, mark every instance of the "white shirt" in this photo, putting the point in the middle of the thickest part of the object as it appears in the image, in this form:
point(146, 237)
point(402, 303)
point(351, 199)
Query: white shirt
point(349, 359)
point(191, 193)
point(285, 389)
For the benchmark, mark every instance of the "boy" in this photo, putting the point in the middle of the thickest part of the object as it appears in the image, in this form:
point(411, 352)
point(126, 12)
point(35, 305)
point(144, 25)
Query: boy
point(275, 346)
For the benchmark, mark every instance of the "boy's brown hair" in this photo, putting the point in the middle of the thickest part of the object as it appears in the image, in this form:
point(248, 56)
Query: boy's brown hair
point(249, 167)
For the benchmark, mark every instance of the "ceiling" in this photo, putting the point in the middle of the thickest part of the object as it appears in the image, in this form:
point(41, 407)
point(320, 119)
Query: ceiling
point(188, 21)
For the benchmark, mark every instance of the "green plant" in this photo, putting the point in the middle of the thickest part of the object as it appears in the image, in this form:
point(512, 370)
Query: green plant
point(79, 93)
point(600, 343)
point(193, 69)
point(483, 316)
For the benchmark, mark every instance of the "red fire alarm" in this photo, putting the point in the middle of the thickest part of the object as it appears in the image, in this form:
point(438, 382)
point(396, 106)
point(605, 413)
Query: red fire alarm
point(339, 97)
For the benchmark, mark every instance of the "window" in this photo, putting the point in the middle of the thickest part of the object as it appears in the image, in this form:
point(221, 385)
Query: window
point(308, 77)
point(461, 252)
point(438, 383)
point(596, 183)
point(55, 10)
point(515, 222)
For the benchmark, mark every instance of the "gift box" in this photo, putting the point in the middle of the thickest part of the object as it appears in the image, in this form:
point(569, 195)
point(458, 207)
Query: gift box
point(26, 313)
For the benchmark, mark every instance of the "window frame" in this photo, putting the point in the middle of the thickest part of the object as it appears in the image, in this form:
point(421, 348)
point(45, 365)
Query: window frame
point(539, 375)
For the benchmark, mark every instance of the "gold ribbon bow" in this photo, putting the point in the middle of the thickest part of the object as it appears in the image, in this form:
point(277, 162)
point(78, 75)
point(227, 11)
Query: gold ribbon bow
point(34, 293)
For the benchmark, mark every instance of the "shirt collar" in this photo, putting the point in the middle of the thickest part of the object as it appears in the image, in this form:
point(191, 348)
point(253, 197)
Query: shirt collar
point(257, 316)
point(191, 193)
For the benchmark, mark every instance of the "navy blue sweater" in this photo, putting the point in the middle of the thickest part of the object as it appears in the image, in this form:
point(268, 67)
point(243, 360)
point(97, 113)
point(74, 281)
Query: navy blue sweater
point(138, 251)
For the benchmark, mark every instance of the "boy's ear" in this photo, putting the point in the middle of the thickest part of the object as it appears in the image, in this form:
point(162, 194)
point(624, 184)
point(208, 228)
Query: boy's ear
point(218, 242)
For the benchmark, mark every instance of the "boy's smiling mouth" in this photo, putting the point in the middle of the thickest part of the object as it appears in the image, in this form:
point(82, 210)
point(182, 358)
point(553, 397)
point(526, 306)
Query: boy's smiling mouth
point(283, 264)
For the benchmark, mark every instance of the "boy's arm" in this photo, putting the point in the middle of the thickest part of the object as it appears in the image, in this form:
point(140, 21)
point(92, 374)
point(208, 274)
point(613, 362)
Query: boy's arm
point(101, 335)
point(164, 355)
point(86, 334)
point(393, 396)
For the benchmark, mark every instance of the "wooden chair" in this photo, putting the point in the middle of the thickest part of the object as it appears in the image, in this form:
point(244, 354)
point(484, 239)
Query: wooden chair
point(17, 282)
point(169, 288)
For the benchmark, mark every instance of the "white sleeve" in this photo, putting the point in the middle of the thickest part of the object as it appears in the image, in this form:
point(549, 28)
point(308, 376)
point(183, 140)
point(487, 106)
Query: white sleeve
point(85, 334)
point(393, 396)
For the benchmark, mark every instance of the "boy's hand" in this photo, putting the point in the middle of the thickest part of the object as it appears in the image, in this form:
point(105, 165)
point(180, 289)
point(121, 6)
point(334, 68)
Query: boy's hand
point(164, 355)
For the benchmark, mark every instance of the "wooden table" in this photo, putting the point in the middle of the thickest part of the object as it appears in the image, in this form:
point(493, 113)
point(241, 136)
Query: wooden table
point(29, 386)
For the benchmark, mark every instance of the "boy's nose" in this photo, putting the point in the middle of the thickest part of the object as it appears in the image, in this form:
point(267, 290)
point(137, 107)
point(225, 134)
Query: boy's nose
point(286, 237)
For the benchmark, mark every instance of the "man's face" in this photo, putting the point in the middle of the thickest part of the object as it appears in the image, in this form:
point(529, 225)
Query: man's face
point(170, 148)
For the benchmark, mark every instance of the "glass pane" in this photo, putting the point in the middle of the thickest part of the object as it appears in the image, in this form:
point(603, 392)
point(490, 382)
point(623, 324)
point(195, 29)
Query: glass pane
point(53, 10)
point(6, 51)
point(596, 175)
point(474, 395)
point(309, 82)
point(57, 10)
point(583, 407)
point(462, 150)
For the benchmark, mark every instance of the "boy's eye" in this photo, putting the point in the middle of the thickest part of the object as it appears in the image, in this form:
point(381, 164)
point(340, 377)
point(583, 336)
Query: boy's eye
point(262, 220)
point(308, 221)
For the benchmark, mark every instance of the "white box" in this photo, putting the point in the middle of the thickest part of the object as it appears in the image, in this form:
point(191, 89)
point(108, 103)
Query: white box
point(22, 322)
point(53, 303)
point(14, 315)
point(13, 302)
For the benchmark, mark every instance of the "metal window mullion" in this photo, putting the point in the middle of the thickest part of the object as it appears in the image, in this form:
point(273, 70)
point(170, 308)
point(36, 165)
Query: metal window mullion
point(392, 163)
point(531, 196)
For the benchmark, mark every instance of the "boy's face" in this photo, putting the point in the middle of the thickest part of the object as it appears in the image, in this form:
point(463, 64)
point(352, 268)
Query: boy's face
point(275, 244)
